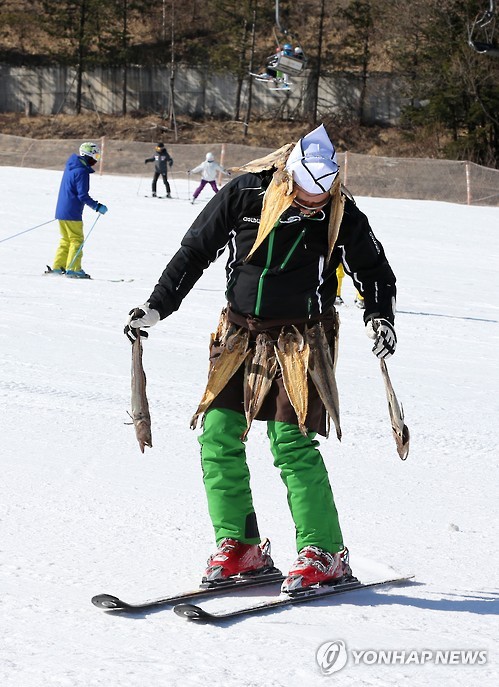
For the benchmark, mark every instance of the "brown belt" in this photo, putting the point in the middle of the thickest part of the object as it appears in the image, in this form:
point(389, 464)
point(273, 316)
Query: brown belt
point(256, 324)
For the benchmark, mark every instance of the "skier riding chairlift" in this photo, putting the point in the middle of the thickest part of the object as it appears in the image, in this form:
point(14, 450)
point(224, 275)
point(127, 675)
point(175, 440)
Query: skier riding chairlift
point(285, 62)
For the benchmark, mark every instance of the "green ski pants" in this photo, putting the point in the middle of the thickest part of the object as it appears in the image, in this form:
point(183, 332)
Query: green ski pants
point(227, 481)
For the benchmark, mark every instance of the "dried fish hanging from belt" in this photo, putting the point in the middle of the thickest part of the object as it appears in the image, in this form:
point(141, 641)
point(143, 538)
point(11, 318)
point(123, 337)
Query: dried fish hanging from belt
point(293, 354)
point(321, 371)
point(298, 355)
point(234, 344)
point(259, 374)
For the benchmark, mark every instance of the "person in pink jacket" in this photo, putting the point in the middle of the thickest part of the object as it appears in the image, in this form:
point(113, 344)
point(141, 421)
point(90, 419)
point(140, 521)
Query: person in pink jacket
point(209, 170)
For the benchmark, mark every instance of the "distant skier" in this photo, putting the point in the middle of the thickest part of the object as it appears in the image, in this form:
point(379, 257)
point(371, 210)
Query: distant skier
point(73, 196)
point(298, 53)
point(209, 170)
point(278, 78)
point(162, 161)
point(359, 298)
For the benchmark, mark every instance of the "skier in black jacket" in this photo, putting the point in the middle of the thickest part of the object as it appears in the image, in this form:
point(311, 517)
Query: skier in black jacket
point(287, 225)
point(161, 160)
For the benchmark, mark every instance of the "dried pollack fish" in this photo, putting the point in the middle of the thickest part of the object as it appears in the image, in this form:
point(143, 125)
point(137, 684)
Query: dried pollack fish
point(233, 354)
point(400, 430)
point(140, 406)
point(321, 371)
point(277, 159)
point(278, 197)
point(259, 374)
point(293, 353)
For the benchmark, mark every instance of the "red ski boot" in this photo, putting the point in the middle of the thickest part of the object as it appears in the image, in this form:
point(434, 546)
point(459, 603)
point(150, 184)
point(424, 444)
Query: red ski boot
point(315, 567)
point(234, 558)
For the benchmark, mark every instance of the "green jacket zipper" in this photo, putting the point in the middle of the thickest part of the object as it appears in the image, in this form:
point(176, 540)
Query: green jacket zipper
point(293, 248)
point(270, 248)
point(258, 304)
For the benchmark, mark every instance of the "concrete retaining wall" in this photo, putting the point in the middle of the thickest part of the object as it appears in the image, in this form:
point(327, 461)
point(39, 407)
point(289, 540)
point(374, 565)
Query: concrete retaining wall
point(198, 92)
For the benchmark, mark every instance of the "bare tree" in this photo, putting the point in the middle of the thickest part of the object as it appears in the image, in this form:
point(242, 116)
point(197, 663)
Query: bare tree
point(250, 67)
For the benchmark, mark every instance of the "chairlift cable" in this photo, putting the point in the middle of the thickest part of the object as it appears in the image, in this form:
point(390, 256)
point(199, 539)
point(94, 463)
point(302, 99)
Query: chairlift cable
point(278, 20)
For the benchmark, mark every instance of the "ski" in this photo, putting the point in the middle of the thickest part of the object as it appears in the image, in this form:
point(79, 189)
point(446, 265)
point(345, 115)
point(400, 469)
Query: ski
point(196, 613)
point(159, 197)
point(114, 281)
point(107, 602)
point(111, 281)
point(50, 271)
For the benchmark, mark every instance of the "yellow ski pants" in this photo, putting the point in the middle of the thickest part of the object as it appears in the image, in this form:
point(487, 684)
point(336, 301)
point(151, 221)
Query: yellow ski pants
point(340, 273)
point(71, 240)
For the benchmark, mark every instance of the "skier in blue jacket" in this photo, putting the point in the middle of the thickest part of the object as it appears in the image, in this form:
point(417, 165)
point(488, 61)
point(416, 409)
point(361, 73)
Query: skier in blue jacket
point(73, 196)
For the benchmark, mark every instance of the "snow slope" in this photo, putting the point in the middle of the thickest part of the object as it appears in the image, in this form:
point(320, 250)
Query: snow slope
point(83, 512)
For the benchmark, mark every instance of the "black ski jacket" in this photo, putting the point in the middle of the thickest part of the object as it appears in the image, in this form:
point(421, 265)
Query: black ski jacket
point(287, 276)
point(160, 160)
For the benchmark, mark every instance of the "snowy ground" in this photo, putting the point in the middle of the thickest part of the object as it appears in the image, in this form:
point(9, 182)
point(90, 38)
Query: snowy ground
point(83, 512)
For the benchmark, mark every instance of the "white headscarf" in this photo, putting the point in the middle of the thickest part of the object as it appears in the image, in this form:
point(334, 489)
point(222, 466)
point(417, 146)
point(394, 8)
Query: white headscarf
point(313, 162)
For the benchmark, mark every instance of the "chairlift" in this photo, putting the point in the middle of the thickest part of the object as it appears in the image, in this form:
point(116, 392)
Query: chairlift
point(481, 32)
point(286, 61)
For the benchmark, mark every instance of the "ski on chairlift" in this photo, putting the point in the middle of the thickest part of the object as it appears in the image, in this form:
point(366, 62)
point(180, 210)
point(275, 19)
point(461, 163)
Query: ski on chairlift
point(481, 32)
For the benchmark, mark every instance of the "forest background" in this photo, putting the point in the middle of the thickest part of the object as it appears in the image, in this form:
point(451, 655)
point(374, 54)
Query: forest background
point(450, 92)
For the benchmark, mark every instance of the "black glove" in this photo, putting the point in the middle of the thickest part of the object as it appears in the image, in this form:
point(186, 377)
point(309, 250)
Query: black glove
point(143, 316)
point(146, 161)
point(383, 333)
point(171, 163)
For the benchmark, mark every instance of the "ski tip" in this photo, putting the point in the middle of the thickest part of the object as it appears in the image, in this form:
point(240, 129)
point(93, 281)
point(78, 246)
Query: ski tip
point(107, 602)
point(403, 579)
point(191, 612)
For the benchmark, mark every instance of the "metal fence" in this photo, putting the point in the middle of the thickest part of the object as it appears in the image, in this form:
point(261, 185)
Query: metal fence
point(365, 175)
point(421, 179)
